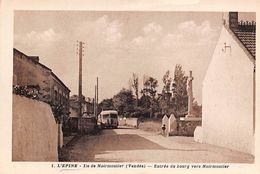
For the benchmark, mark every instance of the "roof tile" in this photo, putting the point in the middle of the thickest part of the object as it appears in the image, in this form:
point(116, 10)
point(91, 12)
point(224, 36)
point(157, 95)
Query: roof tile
point(246, 35)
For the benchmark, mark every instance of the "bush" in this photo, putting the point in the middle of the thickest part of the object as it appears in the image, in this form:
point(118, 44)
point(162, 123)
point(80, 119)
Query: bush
point(29, 91)
point(158, 115)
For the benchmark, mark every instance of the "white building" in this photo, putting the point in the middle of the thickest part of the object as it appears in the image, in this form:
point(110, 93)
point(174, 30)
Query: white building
point(228, 116)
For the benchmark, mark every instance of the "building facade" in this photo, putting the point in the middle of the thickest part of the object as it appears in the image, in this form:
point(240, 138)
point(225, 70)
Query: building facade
point(87, 106)
point(228, 94)
point(28, 71)
point(87, 112)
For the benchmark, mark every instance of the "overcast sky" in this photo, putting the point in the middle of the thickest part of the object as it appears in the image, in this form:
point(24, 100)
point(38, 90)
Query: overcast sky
point(118, 44)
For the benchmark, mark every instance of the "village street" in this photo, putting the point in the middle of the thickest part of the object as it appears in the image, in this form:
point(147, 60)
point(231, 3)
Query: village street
point(133, 145)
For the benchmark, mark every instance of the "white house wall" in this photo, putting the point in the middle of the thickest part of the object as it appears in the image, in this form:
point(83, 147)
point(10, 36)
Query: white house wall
point(228, 97)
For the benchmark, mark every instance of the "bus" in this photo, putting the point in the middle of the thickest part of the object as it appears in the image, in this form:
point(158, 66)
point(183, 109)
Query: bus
point(108, 119)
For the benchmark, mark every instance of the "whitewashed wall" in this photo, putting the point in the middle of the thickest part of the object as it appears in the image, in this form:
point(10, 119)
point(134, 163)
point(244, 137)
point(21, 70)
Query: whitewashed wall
point(35, 133)
point(227, 110)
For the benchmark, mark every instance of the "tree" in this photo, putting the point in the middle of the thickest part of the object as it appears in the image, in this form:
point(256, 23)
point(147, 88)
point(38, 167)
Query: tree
point(180, 97)
point(165, 97)
point(164, 105)
point(124, 102)
point(167, 82)
point(135, 86)
point(196, 109)
point(106, 104)
point(145, 101)
point(145, 105)
point(58, 111)
point(150, 85)
point(148, 100)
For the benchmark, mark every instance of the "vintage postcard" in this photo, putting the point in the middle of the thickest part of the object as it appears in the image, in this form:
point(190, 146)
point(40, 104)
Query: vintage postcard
point(129, 87)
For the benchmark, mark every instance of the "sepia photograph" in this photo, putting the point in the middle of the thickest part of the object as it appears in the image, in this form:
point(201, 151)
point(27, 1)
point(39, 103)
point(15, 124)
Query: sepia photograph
point(126, 86)
point(135, 87)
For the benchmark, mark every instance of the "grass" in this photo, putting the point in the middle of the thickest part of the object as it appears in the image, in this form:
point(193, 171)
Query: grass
point(150, 125)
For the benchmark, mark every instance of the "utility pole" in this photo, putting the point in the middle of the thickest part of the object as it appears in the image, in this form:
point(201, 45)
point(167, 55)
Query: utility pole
point(95, 102)
point(80, 52)
point(97, 96)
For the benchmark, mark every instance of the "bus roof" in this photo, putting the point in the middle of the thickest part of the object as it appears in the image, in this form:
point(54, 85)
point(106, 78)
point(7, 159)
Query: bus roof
point(109, 112)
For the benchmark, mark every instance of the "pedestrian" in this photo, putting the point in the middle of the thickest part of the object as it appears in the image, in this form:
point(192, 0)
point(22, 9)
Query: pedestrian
point(163, 129)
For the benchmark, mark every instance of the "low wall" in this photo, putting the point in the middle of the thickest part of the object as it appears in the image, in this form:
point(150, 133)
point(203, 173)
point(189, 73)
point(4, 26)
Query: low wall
point(34, 131)
point(153, 125)
point(198, 134)
point(88, 124)
point(132, 122)
point(186, 127)
point(121, 122)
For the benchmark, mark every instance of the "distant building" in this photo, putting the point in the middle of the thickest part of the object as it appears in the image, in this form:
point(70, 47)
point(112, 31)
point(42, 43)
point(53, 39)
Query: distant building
point(87, 111)
point(27, 70)
point(87, 106)
point(228, 101)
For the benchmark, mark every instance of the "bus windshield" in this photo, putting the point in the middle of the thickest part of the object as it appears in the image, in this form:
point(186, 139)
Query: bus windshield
point(113, 115)
point(105, 116)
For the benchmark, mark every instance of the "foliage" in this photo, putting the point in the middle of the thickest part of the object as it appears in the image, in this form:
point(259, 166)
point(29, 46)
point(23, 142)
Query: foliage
point(124, 102)
point(164, 105)
point(145, 101)
point(180, 98)
point(135, 86)
point(106, 104)
point(165, 102)
point(148, 101)
point(167, 82)
point(177, 100)
point(58, 111)
point(150, 85)
point(196, 109)
point(29, 91)
point(150, 104)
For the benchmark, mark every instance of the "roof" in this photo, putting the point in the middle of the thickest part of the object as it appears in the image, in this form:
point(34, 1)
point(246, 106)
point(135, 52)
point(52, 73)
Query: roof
point(32, 58)
point(35, 60)
point(246, 35)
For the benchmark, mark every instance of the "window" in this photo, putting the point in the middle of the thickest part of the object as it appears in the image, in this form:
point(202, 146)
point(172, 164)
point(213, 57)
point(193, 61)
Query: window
point(55, 95)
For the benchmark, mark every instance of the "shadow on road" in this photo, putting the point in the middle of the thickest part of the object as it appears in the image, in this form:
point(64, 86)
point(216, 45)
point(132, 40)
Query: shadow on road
point(87, 147)
point(125, 127)
point(120, 127)
point(123, 145)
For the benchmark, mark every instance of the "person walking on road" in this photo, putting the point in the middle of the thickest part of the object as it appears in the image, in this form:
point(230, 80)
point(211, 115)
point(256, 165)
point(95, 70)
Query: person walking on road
point(163, 129)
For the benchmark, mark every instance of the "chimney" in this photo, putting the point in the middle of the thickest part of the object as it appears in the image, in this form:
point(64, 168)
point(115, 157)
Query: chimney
point(233, 20)
point(34, 58)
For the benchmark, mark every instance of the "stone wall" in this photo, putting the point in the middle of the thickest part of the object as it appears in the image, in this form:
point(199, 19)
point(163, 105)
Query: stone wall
point(88, 124)
point(34, 131)
point(185, 127)
point(132, 122)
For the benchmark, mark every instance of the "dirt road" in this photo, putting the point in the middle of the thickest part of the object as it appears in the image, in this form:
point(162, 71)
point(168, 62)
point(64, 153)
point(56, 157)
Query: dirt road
point(133, 145)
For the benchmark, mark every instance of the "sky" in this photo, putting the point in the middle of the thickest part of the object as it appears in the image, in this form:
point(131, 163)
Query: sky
point(118, 44)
